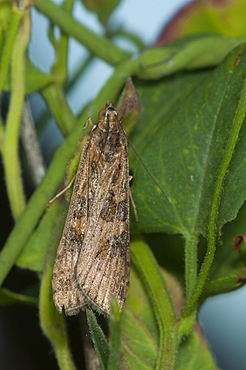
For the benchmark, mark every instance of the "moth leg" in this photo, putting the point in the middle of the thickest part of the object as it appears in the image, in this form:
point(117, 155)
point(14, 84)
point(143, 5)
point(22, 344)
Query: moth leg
point(133, 203)
point(75, 159)
point(61, 192)
point(83, 138)
point(89, 120)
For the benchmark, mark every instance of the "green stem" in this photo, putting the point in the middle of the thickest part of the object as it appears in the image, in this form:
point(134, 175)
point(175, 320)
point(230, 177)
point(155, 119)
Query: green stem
point(111, 89)
point(213, 227)
point(114, 344)
point(186, 324)
point(9, 44)
point(36, 205)
point(97, 45)
point(8, 297)
point(191, 242)
point(53, 93)
point(57, 103)
point(98, 338)
point(59, 69)
point(134, 39)
point(50, 93)
point(2, 133)
point(10, 147)
point(78, 72)
point(148, 268)
point(52, 323)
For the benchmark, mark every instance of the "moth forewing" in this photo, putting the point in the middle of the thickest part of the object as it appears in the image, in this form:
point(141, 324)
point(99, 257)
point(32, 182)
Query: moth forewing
point(93, 259)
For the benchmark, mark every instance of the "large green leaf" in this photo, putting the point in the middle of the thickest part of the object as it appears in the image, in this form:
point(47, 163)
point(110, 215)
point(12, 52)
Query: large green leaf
point(207, 16)
point(181, 137)
point(140, 335)
point(199, 17)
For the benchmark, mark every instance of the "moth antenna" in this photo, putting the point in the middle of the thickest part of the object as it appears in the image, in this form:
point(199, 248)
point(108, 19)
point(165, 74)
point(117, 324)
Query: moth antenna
point(145, 167)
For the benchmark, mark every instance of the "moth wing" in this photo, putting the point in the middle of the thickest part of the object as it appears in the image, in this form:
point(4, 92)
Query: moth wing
point(103, 268)
point(93, 260)
point(65, 288)
point(65, 291)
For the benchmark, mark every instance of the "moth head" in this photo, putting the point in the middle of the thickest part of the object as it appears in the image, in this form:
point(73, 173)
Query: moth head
point(103, 112)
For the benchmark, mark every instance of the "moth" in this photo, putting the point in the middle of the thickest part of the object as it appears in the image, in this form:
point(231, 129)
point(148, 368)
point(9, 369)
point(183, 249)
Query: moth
point(93, 259)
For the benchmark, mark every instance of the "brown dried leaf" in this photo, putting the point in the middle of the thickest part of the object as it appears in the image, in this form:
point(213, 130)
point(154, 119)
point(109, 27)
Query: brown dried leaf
point(237, 242)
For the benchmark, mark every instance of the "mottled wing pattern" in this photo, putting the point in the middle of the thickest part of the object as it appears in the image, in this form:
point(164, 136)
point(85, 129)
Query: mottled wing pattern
point(103, 268)
point(93, 259)
point(65, 289)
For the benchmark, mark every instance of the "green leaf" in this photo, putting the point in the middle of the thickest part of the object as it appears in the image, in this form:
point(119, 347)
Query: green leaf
point(98, 338)
point(207, 16)
point(51, 322)
point(181, 137)
point(103, 8)
point(159, 291)
point(229, 266)
point(140, 334)
point(34, 255)
point(194, 353)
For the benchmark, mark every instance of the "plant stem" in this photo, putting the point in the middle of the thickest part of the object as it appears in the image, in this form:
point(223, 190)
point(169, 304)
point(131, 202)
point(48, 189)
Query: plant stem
point(148, 268)
point(97, 45)
point(10, 146)
point(52, 323)
point(191, 242)
point(114, 344)
point(98, 338)
point(9, 44)
point(55, 99)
